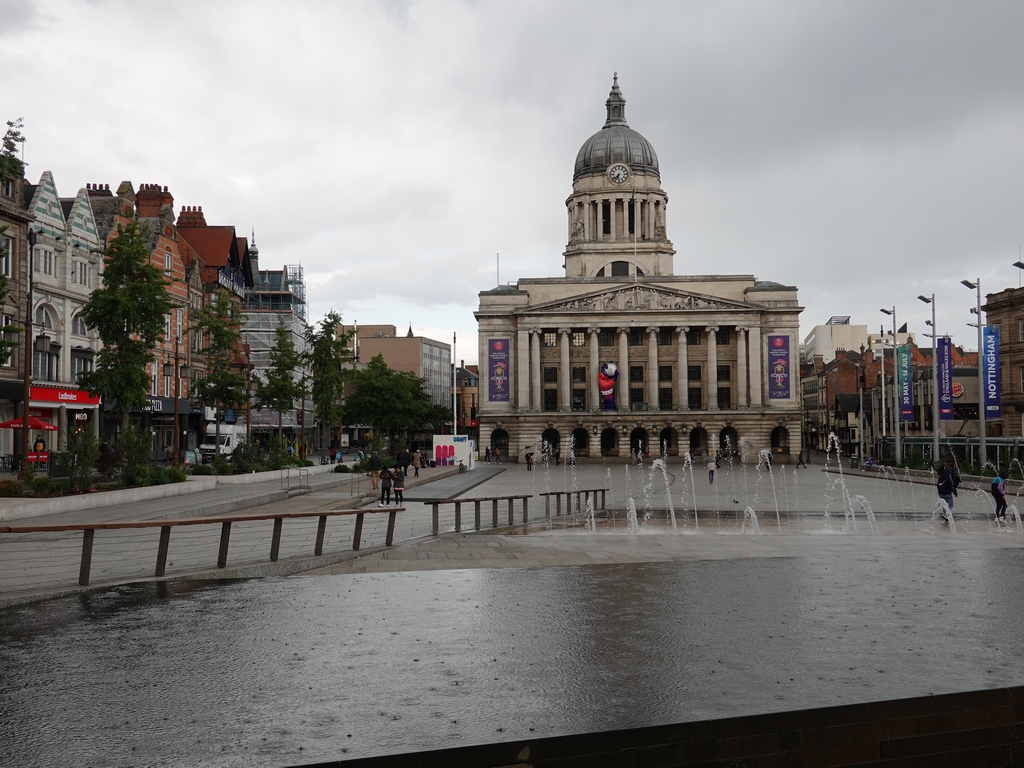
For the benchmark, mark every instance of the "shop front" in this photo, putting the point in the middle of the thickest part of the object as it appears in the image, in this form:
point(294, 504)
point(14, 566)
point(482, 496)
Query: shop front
point(65, 408)
point(157, 418)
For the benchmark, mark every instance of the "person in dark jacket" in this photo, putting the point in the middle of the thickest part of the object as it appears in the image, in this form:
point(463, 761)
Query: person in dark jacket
point(404, 460)
point(999, 496)
point(946, 486)
point(385, 488)
point(374, 466)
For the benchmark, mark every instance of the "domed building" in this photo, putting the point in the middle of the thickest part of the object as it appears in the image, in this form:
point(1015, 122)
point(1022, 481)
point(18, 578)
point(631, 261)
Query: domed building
point(621, 356)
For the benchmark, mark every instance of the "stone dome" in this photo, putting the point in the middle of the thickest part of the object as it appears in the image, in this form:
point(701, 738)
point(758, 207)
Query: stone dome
point(616, 142)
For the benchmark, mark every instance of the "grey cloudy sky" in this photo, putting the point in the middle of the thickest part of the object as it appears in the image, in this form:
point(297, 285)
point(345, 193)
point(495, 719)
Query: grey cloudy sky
point(865, 152)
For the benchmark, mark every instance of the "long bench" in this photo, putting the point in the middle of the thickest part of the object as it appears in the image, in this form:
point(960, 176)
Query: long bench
point(436, 503)
point(582, 496)
point(165, 526)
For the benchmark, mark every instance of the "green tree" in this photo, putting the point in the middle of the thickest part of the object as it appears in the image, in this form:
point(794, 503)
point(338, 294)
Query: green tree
point(11, 169)
point(281, 388)
point(222, 386)
point(386, 399)
point(327, 352)
point(127, 312)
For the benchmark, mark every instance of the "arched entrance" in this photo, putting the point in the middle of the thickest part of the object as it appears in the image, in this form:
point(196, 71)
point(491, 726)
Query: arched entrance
point(499, 440)
point(581, 441)
point(551, 441)
point(729, 442)
point(698, 441)
point(668, 442)
point(639, 445)
point(609, 442)
point(780, 441)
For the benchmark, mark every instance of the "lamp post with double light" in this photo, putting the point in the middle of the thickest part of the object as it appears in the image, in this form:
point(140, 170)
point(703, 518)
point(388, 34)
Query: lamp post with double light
point(897, 426)
point(976, 310)
point(28, 358)
point(935, 379)
point(177, 369)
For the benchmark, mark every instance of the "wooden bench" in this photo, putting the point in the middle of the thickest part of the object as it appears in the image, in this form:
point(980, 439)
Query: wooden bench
point(165, 526)
point(569, 508)
point(436, 503)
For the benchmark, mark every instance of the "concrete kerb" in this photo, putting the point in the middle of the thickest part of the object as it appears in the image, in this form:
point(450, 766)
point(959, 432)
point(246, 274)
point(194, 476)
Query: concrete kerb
point(19, 509)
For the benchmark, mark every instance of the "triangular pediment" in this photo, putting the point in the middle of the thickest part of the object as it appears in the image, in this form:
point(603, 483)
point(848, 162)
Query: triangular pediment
point(634, 298)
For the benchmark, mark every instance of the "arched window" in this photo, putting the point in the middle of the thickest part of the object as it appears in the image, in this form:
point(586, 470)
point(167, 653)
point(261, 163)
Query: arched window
point(43, 319)
point(620, 269)
point(78, 326)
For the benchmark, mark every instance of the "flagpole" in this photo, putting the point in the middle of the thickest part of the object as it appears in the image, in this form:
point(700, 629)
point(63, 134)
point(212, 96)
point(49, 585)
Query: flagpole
point(455, 392)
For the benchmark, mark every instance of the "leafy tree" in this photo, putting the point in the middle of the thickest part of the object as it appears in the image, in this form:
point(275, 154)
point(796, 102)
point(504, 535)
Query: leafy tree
point(11, 167)
point(327, 351)
point(223, 386)
point(281, 388)
point(128, 314)
point(386, 399)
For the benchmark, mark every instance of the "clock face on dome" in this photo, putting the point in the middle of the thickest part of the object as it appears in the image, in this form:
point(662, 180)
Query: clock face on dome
point(618, 174)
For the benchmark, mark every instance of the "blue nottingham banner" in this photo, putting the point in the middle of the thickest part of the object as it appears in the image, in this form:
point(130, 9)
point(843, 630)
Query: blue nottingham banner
point(904, 385)
point(944, 349)
point(778, 367)
point(497, 370)
point(990, 360)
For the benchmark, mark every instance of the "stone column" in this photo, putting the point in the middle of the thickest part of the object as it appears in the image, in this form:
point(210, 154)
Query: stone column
point(522, 370)
point(756, 369)
point(595, 367)
point(683, 395)
point(611, 209)
point(712, 372)
point(622, 396)
point(599, 215)
point(564, 371)
point(652, 367)
point(536, 401)
point(587, 226)
point(741, 367)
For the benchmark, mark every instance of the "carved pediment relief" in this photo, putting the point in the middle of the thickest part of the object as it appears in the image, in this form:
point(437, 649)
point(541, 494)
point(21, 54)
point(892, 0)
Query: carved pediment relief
point(637, 297)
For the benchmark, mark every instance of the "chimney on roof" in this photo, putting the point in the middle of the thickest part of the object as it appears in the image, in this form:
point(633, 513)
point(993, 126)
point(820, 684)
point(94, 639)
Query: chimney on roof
point(150, 199)
point(98, 190)
point(191, 216)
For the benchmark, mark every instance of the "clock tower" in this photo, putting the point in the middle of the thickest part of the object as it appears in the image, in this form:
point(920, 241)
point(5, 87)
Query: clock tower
point(617, 207)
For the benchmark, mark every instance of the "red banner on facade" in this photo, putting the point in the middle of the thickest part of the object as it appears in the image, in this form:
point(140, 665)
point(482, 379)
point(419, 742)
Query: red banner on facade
point(63, 396)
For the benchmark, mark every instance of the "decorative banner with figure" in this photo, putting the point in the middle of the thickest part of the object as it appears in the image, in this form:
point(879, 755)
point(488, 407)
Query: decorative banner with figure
point(778, 367)
point(990, 360)
point(606, 383)
point(944, 350)
point(497, 370)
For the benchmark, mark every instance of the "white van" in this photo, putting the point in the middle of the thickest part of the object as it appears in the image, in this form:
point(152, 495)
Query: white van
point(230, 434)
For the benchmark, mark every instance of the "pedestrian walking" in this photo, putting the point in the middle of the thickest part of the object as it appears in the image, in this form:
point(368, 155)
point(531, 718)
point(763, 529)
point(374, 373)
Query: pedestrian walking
point(712, 466)
point(529, 461)
point(999, 495)
point(487, 455)
point(404, 460)
point(399, 488)
point(374, 465)
point(800, 460)
point(946, 486)
point(417, 461)
point(497, 455)
point(385, 488)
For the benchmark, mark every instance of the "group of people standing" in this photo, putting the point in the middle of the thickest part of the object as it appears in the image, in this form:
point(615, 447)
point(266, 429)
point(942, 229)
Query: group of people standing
point(388, 479)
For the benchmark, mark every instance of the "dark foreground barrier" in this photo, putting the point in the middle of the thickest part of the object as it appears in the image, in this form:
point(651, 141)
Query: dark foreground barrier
point(575, 501)
point(89, 533)
point(982, 729)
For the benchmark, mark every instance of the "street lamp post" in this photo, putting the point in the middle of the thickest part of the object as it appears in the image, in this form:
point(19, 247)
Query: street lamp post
point(28, 358)
point(983, 458)
point(177, 370)
point(935, 381)
point(897, 426)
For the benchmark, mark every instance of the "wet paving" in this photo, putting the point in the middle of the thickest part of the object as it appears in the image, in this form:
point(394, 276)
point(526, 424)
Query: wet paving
point(279, 672)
